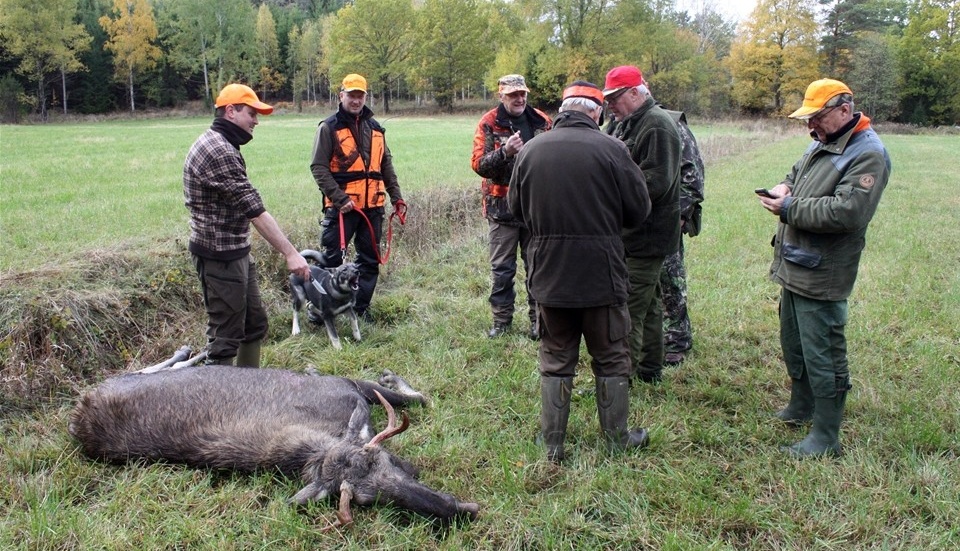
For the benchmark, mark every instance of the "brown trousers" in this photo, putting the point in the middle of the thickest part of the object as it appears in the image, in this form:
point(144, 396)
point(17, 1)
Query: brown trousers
point(605, 330)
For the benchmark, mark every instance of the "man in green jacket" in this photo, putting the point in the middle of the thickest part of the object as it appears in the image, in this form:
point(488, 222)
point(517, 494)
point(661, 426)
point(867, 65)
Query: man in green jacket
point(824, 206)
point(654, 143)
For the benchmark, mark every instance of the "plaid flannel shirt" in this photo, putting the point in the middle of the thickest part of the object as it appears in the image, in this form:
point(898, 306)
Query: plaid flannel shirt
point(220, 198)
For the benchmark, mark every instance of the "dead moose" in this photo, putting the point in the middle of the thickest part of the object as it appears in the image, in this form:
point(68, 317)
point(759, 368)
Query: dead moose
point(317, 427)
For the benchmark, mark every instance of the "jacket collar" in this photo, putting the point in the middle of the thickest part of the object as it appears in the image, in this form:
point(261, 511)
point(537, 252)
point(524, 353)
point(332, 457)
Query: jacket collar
point(570, 119)
point(838, 141)
point(641, 111)
point(503, 118)
point(365, 114)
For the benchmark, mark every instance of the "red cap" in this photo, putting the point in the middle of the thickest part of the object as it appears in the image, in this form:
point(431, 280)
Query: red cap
point(621, 78)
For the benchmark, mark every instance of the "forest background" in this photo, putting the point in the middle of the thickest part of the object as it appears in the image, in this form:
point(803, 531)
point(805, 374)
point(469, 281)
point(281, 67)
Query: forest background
point(61, 58)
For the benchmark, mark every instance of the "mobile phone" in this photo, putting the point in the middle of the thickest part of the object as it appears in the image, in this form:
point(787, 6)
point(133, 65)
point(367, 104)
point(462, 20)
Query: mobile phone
point(764, 192)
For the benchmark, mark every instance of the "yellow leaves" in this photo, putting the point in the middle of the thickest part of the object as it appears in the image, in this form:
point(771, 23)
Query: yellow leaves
point(132, 36)
point(775, 55)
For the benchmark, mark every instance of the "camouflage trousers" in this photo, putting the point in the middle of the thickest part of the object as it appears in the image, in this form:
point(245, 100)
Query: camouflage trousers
point(677, 333)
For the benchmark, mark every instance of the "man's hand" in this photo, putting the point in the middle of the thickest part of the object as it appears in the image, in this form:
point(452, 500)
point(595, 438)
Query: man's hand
point(349, 206)
point(298, 265)
point(400, 207)
point(513, 145)
point(775, 204)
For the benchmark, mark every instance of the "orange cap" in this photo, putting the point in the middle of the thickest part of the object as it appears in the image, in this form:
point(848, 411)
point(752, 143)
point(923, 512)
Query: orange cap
point(818, 97)
point(233, 94)
point(353, 82)
point(584, 89)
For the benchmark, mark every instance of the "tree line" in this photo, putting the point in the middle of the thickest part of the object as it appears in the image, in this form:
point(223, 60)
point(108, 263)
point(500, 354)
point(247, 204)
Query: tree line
point(900, 57)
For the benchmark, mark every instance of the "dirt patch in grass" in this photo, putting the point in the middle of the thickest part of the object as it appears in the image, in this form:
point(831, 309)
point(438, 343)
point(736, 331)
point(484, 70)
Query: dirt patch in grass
point(65, 326)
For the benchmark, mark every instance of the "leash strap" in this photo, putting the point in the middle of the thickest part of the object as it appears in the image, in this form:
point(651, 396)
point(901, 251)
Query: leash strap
point(401, 215)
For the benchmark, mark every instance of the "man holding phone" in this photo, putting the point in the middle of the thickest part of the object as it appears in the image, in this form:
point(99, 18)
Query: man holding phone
point(824, 206)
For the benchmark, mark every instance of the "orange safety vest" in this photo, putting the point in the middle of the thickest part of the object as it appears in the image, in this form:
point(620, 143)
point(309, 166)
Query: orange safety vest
point(362, 182)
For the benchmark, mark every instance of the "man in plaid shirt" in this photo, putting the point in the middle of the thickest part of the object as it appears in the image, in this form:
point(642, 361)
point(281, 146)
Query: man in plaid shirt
point(222, 204)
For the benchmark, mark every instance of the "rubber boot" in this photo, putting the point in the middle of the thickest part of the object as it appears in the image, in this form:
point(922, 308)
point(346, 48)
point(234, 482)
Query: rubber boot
point(248, 354)
point(800, 408)
point(554, 413)
point(824, 437)
point(613, 402)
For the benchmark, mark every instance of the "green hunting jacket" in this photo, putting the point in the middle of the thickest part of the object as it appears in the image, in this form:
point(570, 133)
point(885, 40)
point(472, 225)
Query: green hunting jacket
point(834, 192)
point(655, 146)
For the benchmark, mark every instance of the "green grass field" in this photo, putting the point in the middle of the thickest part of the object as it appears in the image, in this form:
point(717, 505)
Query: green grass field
point(93, 225)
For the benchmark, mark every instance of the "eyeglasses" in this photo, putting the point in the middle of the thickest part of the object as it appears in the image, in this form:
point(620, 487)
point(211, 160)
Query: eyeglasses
point(613, 98)
point(818, 118)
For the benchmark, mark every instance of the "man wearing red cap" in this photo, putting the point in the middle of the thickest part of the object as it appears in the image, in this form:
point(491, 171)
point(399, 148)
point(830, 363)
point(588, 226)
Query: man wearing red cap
point(655, 146)
point(500, 135)
point(824, 206)
point(222, 204)
point(575, 189)
point(353, 168)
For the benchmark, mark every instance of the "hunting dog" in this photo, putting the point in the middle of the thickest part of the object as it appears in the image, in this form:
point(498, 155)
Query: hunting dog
point(329, 293)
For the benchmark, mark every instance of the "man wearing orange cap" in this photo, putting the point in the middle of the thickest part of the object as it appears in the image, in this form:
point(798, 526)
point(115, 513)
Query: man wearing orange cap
point(655, 146)
point(353, 168)
point(498, 139)
point(575, 189)
point(824, 206)
point(222, 204)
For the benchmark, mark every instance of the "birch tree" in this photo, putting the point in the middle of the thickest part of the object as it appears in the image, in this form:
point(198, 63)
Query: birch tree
point(132, 36)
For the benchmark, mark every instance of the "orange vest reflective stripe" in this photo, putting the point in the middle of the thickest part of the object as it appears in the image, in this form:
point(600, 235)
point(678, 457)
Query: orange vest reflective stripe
point(364, 183)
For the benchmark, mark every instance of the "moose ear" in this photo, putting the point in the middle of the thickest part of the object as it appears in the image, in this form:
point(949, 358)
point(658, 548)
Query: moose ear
point(311, 492)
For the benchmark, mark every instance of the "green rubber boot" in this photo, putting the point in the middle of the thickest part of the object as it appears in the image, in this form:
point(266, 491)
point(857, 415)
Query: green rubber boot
point(613, 403)
point(824, 436)
point(800, 408)
point(554, 412)
point(248, 354)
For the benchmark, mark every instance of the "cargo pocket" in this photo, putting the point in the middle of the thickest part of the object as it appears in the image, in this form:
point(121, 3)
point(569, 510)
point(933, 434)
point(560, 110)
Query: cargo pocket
point(800, 257)
point(231, 291)
point(619, 322)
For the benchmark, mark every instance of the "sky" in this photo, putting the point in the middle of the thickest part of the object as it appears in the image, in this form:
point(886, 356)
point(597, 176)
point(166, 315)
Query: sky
point(737, 9)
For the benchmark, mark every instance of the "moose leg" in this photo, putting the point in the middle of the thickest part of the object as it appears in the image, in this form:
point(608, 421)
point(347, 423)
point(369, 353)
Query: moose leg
point(182, 354)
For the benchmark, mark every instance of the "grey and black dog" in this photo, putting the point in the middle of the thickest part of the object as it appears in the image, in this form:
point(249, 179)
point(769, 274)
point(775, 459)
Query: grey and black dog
point(330, 292)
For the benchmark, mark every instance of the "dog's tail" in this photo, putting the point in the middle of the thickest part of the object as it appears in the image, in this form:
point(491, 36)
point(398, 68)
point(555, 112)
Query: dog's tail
point(313, 255)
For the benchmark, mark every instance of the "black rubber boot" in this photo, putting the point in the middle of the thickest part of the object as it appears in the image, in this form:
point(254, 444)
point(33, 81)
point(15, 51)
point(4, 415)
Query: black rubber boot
point(800, 408)
point(248, 354)
point(554, 412)
point(613, 403)
point(824, 436)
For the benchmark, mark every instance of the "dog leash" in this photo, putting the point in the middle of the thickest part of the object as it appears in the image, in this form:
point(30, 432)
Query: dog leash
point(400, 214)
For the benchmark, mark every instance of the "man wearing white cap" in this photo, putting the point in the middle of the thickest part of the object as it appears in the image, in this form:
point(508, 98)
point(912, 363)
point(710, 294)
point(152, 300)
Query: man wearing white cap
point(575, 189)
point(824, 206)
point(222, 204)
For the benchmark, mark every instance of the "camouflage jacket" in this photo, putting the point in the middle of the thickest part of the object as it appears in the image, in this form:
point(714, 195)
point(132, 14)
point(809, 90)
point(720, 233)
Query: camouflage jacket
point(691, 177)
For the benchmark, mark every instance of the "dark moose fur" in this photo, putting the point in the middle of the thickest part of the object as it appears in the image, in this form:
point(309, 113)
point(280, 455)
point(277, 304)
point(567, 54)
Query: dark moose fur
point(317, 427)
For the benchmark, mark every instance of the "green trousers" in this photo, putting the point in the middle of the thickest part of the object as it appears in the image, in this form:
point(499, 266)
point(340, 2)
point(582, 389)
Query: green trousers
point(812, 339)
